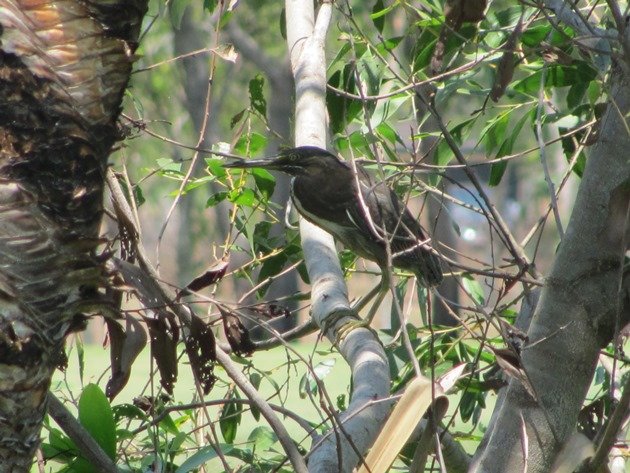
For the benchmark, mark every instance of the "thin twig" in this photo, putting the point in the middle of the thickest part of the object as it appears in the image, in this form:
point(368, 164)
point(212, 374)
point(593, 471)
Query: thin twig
point(184, 314)
point(219, 402)
point(515, 249)
point(543, 154)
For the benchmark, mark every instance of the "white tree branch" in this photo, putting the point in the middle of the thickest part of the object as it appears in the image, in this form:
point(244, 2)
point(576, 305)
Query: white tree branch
point(361, 349)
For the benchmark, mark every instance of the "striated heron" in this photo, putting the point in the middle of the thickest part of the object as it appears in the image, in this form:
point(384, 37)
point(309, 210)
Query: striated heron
point(363, 214)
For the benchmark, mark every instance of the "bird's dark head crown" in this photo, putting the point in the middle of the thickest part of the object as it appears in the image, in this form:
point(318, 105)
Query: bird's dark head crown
point(295, 161)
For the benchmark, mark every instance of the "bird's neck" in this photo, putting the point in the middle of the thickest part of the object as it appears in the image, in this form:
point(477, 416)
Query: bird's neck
point(323, 194)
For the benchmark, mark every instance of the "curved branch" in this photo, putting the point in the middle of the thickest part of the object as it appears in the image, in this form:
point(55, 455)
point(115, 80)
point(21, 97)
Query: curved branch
point(273, 68)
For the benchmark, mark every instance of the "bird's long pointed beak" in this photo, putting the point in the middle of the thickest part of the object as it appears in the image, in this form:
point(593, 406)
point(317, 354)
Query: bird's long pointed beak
point(267, 163)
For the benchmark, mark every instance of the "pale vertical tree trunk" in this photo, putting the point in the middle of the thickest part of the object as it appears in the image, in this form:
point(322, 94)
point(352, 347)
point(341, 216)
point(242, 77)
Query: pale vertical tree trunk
point(60, 94)
point(339, 450)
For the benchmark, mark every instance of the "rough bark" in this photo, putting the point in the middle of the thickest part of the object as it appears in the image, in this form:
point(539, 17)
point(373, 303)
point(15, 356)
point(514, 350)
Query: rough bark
point(578, 309)
point(64, 66)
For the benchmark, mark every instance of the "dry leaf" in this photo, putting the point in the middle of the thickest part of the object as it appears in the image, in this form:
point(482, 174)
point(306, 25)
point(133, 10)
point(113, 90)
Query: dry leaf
point(507, 63)
point(401, 423)
point(201, 349)
point(164, 334)
point(270, 310)
point(236, 333)
point(210, 276)
point(226, 52)
point(125, 346)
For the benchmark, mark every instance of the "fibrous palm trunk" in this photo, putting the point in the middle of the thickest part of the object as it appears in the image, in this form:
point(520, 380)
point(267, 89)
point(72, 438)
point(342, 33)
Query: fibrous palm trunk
point(64, 66)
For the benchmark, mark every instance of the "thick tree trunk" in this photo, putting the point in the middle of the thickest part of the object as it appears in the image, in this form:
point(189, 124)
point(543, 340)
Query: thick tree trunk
point(63, 69)
point(577, 312)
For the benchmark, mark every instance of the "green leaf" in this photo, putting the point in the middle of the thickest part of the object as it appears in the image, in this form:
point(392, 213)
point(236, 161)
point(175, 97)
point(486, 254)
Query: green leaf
point(95, 414)
point(138, 195)
point(443, 152)
point(250, 144)
point(262, 437)
point(498, 169)
point(59, 446)
point(246, 225)
point(576, 94)
point(423, 58)
point(263, 242)
point(168, 165)
point(201, 457)
point(168, 424)
point(568, 147)
point(473, 288)
point(255, 379)
point(378, 14)
point(80, 465)
point(127, 412)
point(594, 92)
point(176, 443)
point(371, 72)
point(342, 110)
point(271, 267)
point(496, 173)
point(256, 96)
point(388, 44)
point(225, 19)
point(387, 108)
point(195, 183)
point(243, 196)
point(341, 402)
point(210, 5)
point(508, 16)
point(283, 23)
point(400, 291)
point(494, 132)
point(215, 167)
point(230, 419)
point(216, 198)
point(80, 357)
point(534, 35)
point(385, 131)
point(308, 383)
point(340, 56)
point(557, 76)
point(265, 182)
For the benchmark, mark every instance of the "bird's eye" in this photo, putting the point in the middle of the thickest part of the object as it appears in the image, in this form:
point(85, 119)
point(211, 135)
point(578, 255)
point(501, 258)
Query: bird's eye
point(293, 157)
